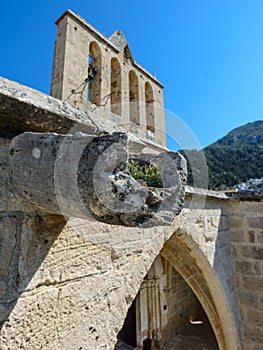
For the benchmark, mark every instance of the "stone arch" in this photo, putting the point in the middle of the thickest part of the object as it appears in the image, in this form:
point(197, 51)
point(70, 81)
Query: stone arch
point(134, 97)
point(183, 254)
point(94, 84)
point(159, 304)
point(149, 100)
point(115, 86)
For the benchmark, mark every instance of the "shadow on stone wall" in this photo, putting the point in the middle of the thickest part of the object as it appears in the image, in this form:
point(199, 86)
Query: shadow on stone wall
point(25, 240)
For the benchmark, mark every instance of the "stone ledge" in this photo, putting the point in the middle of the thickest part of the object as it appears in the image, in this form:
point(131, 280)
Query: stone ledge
point(255, 195)
point(248, 195)
point(25, 109)
point(203, 193)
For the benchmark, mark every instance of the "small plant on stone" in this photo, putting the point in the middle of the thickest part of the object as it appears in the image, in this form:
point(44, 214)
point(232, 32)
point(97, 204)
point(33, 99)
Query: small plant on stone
point(149, 173)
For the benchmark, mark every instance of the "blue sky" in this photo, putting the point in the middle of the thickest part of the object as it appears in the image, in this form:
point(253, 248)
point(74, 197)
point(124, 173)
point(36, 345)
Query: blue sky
point(207, 53)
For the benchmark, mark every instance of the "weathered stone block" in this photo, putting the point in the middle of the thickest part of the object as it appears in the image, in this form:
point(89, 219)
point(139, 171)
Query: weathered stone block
point(237, 235)
point(249, 297)
point(253, 282)
point(249, 251)
point(256, 346)
point(235, 248)
point(253, 207)
point(254, 334)
point(248, 267)
point(235, 221)
point(259, 236)
point(255, 222)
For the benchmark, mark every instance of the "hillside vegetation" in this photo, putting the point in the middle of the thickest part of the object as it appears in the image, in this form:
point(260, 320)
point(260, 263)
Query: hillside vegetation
point(234, 158)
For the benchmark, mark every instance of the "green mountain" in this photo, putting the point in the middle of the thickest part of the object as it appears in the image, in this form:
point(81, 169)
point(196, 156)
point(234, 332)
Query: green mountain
point(233, 159)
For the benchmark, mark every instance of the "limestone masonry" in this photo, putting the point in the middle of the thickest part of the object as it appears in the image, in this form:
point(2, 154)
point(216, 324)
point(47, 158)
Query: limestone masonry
point(93, 259)
point(119, 86)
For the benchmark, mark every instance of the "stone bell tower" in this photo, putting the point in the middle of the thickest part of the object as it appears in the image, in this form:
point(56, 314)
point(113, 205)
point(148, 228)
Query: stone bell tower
point(92, 70)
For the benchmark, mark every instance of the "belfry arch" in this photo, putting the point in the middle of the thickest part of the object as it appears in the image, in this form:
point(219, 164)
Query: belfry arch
point(134, 98)
point(181, 259)
point(115, 93)
point(149, 101)
point(94, 66)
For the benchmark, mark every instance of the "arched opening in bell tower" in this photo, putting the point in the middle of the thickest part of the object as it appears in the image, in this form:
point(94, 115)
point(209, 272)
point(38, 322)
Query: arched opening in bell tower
point(134, 98)
point(115, 86)
point(94, 74)
point(150, 122)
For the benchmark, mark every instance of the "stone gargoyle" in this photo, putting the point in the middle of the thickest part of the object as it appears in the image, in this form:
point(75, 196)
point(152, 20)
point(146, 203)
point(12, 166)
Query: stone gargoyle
point(86, 176)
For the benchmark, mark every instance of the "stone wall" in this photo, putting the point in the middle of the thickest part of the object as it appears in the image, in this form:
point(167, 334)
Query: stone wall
point(182, 305)
point(246, 234)
point(201, 252)
point(70, 284)
point(67, 283)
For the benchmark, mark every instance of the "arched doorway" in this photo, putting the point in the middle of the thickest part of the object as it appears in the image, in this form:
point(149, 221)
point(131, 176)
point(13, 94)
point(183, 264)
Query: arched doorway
point(181, 267)
point(165, 314)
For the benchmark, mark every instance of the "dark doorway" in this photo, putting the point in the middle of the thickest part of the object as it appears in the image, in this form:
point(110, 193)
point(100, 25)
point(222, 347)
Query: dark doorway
point(128, 331)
